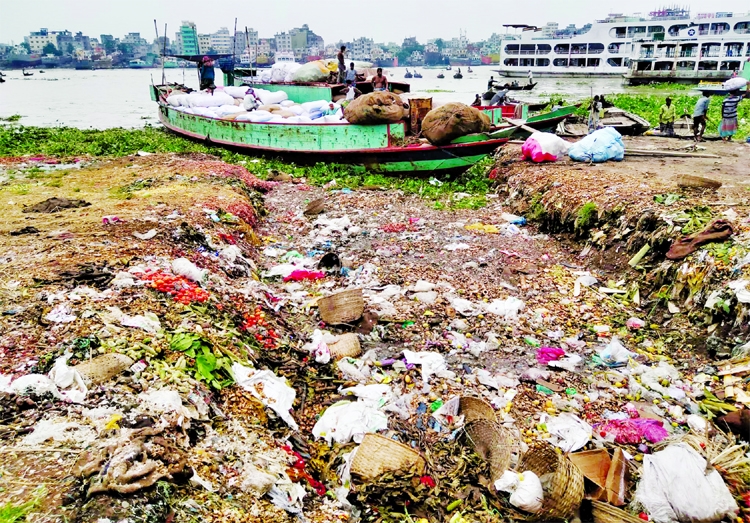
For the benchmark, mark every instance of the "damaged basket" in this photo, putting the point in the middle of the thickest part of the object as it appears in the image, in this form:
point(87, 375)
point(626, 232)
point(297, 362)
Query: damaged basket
point(377, 455)
point(561, 479)
point(606, 513)
point(342, 307)
point(472, 408)
point(493, 443)
point(347, 346)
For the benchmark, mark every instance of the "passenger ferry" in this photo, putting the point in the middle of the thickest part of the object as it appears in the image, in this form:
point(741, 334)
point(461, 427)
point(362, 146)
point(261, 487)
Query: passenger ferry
point(606, 47)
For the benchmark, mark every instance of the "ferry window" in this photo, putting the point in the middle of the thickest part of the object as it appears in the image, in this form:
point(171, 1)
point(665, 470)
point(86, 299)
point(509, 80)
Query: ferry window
point(511, 61)
point(596, 48)
point(618, 32)
point(593, 62)
point(562, 49)
point(720, 28)
point(528, 49)
point(526, 62)
point(675, 29)
point(655, 29)
point(615, 62)
point(632, 31)
point(708, 66)
point(663, 66)
point(730, 66)
point(543, 49)
point(626, 62)
point(742, 28)
point(560, 62)
point(542, 62)
point(614, 48)
point(511, 49)
point(685, 65)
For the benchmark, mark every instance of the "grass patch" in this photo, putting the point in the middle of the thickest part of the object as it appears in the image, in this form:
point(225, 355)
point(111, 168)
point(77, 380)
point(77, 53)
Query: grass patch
point(12, 118)
point(64, 142)
point(10, 513)
point(439, 91)
point(586, 216)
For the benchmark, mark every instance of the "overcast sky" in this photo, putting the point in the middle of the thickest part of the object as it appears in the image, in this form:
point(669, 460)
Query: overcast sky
point(382, 20)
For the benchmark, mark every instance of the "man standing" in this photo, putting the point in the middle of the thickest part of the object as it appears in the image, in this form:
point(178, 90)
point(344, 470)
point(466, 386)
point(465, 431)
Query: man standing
point(491, 83)
point(729, 123)
point(206, 73)
point(379, 81)
point(667, 115)
point(342, 65)
point(700, 117)
point(531, 77)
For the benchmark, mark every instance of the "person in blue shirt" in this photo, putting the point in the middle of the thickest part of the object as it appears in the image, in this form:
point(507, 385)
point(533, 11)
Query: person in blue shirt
point(207, 75)
point(700, 117)
point(351, 75)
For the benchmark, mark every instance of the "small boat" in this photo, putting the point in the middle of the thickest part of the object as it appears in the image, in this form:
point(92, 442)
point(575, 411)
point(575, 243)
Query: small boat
point(441, 75)
point(417, 74)
point(448, 68)
point(2, 80)
point(41, 72)
point(520, 87)
point(625, 123)
point(380, 148)
point(408, 74)
point(26, 74)
point(469, 70)
point(545, 122)
point(458, 76)
point(2, 74)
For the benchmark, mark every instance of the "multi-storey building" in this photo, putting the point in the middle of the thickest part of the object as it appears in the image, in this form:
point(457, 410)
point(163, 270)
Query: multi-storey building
point(221, 41)
point(187, 39)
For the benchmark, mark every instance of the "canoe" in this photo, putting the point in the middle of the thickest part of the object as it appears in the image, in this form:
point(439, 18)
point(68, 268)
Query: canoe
point(545, 122)
point(625, 123)
point(382, 148)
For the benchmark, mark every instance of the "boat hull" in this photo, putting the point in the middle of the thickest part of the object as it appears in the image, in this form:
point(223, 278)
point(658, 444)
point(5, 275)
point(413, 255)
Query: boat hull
point(368, 147)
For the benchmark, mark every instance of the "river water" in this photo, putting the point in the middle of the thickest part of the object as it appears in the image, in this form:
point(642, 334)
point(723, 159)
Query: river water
point(120, 98)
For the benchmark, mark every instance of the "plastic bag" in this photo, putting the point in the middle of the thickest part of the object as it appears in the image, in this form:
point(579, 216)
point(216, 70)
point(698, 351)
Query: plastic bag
point(600, 146)
point(345, 421)
point(546, 354)
point(186, 268)
point(544, 147)
point(572, 432)
point(615, 353)
point(508, 308)
point(676, 485)
point(274, 392)
point(433, 364)
point(68, 380)
point(735, 83)
point(632, 431)
point(525, 488)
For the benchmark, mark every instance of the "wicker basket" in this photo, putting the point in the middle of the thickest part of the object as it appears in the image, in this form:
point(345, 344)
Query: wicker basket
point(606, 513)
point(474, 408)
point(377, 455)
point(103, 368)
point(493, 443)
point(565, 493)
point(347, 346)
point(342, 307)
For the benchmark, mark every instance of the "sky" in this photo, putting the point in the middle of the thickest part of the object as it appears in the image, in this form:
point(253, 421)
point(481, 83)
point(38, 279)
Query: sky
point(383, 20)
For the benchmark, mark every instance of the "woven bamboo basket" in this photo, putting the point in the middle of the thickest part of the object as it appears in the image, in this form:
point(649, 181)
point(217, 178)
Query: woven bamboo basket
point(103, 368)
point(606, 513)
point(474, 408)
point(342, 307)
point(347, 346)
point(493, 443)
point(377, 455)
point(565, 492)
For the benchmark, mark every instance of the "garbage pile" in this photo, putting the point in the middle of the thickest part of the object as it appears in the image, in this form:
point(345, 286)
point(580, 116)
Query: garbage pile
point(354, 356)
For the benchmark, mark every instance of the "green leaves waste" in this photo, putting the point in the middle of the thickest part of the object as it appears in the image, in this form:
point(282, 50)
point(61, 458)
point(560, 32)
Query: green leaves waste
point(214, 370)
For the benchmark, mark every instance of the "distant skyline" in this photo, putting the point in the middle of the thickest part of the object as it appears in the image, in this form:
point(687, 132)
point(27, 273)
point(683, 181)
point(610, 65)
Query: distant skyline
point(383, 21)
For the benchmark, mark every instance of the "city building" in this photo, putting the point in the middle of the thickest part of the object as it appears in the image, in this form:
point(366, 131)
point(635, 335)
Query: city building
point(264, 46)
point(204, 43)
point(283, 42)
point(244, 39)
point(37, 40)
point(361, 48)
point(187, 39)
point(221, 41)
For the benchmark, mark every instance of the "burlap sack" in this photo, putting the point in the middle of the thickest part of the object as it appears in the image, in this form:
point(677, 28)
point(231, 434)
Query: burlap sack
point(375, 108)
point(453, 120)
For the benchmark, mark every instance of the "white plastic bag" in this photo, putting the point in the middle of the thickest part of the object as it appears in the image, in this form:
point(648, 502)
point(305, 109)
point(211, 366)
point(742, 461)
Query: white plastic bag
point(571, 432)
point(345, 421)
point(68, 380)
point(277, 394)
point(508, 308)
point(186, 268)
point(525, 488)
point(676, 486)
point(433, 364)
point(615, 353)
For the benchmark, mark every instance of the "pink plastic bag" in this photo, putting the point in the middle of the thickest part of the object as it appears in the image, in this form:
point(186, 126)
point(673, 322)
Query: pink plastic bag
point(544, 147)
point(546, 354)
point(632, 431)
point(300, 275)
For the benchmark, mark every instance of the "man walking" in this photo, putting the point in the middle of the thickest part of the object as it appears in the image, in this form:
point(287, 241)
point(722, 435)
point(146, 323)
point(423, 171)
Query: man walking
point(700, 117)
point(667, 115)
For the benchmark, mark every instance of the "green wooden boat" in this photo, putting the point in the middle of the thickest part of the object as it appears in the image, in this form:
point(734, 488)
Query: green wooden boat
point(377, 148)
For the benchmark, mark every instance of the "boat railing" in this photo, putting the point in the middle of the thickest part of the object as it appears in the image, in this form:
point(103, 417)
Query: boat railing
point(688, 73)
point(613, 50)
point(527, 53)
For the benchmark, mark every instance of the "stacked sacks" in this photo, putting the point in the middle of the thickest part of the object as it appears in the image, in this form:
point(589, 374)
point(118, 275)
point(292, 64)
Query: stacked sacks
point(450, 121)
point(600, 146)
point(375, 108)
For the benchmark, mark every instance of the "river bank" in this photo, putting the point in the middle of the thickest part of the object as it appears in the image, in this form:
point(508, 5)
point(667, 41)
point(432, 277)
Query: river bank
point(443, 272)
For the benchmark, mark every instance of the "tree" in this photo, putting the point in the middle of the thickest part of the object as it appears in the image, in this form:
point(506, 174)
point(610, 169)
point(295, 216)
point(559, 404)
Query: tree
point(125, 49)
point(110, 46)
point(440, 44)
point(26, 46)
point(49, 49)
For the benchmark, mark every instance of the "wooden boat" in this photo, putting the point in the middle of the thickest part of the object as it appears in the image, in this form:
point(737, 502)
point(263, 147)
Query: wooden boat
point(441, 75)
point(521, 87)
point(545, 122)
point(417, 74)
point(380, 148)
point(26, 74)
point(458, 76)
point(625, 123)
point(408, 74)
point(2, 80)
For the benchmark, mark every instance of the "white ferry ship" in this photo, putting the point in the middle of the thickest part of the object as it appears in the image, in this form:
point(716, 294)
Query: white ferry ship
point(607, 47)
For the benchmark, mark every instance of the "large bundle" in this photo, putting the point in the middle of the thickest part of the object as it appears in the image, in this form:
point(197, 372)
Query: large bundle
point(316, 71)
point(600, 146)
point(282, 72)
point(375, 108)
point(453, 120)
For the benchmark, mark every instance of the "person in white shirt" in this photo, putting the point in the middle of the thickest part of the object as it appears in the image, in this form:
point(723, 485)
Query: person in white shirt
point(531, 77)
